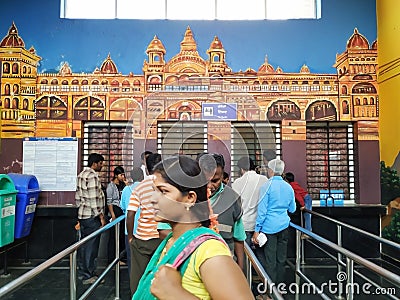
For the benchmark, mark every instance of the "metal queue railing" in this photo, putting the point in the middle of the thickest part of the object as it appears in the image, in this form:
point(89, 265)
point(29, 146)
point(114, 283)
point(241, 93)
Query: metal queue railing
point(72, 252)
point(252, 262)
point(351, 258)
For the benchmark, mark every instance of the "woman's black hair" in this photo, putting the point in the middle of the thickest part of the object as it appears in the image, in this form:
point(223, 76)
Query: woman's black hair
point(118, 170)
point(185, 174)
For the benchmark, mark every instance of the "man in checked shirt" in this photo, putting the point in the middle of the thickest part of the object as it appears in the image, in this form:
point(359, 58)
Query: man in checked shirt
point(89, 199)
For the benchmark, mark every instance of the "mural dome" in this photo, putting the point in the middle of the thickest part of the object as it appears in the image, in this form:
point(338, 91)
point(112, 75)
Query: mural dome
point(32, 50)
point(188, 43)
point(266, 67)
point(188, 59)
point(108, 66)
point(250, 71)
point(305, 69)
point(216, 44)
point(155, 45)
point(12, 40)
point(357, 41)
point(279, 70)
point(65, 69)
point(374, 45)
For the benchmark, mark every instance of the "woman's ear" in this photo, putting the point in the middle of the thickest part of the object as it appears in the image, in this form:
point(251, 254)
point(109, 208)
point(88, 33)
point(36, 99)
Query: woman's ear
point(191, 197)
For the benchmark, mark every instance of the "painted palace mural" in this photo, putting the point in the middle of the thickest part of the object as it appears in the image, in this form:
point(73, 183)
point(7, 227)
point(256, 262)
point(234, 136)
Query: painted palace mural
point(338, 109)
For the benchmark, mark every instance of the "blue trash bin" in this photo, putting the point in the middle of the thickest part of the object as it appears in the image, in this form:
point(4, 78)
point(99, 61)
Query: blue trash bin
point(26, 200)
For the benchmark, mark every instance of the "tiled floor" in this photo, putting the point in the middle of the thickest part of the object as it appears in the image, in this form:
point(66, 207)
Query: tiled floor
point(54, 284)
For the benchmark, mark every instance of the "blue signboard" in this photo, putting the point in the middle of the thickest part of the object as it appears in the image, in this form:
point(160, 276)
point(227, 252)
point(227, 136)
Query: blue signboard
point(334, 197)
point(219, 111)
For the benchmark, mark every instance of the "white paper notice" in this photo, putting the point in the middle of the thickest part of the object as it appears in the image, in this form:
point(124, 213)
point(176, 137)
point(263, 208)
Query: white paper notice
point(54, 162)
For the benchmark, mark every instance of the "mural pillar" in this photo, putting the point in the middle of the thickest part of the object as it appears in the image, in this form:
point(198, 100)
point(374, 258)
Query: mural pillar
point(294, 149)
point(388, 23)
point(219, 141)
point(368, 162)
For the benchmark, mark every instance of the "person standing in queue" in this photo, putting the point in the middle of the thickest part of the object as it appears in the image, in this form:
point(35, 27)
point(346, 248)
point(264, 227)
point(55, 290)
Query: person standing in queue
point(89, 199)
point(193, 259)
point(226, 204)
point(113, 193)
point(148, 233)
point(276, 200)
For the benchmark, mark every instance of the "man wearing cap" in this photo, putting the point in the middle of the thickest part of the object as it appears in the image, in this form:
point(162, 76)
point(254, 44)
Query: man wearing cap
point(276, 199)
point(248, 187)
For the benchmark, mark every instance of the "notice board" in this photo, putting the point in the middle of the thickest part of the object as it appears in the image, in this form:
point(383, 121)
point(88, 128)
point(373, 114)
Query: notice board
point(54, 162)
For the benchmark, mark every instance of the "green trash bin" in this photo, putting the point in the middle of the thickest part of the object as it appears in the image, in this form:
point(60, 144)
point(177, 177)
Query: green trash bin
point(7, 206)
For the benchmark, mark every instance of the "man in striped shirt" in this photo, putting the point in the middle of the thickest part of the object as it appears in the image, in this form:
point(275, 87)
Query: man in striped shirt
point(89, 199)
point(146, 238)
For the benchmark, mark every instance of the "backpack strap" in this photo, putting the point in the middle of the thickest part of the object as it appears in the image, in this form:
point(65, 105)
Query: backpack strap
point(181, 262)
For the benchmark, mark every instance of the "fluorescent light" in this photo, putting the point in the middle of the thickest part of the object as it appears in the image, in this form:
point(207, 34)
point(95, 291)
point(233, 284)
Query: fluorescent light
point(240, 10)
point(291, 9)
point(191, 10)
point(141, 9)
point(90, 9)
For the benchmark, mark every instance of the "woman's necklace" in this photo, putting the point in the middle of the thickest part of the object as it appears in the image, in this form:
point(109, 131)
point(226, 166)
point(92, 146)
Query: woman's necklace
point(168, 245)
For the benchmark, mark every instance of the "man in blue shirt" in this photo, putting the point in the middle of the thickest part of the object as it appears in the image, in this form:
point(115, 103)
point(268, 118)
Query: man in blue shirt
point(276, 199)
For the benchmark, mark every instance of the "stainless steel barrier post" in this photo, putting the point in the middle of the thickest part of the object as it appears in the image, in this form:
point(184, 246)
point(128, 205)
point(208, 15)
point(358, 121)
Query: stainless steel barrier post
point(72, 275)
point(249, 274)
point(299, 243)
point(302, 241)
point(339, 257)
point(117, 255)
point(350, 278)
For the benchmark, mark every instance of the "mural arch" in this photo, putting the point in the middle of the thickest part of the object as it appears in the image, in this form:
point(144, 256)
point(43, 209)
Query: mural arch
point(7, 90)
point(25, 104)
point(171, 80)
point(89, 108)
point(345, 107)
point(126, 109)
point(322, 110)
point(51, 107)
point(6, 68)
point(154, 79)
point(283, 110)
point(364, 88)
point(16, 89)
point(15, 68)
point(7, 103)
point(15, 103)
point(184, 111)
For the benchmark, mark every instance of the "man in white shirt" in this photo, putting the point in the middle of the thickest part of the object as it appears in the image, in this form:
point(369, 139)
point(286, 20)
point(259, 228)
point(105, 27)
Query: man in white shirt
point(248, 187)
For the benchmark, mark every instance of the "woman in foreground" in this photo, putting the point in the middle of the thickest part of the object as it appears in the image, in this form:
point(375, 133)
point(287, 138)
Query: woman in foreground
point(193, 261)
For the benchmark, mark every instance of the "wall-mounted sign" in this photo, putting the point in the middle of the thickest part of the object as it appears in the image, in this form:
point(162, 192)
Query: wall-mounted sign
point(332, 197)
point(219, 111)
point(54, 162)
